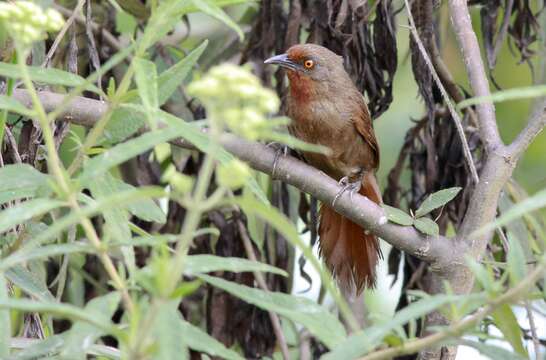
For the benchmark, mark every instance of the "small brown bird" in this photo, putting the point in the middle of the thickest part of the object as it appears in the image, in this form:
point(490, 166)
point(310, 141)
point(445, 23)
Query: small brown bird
point(327, 109)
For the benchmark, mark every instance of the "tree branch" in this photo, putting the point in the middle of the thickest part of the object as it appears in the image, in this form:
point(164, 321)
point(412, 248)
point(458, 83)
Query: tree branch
point(468, 42)
point(438, 251)
point(536, 124)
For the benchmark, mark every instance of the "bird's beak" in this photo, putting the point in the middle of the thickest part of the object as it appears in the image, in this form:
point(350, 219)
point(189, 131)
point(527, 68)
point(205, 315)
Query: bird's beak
point(282, 60)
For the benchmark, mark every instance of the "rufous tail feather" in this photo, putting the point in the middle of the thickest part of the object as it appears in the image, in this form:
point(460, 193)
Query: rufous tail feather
point(349, 251)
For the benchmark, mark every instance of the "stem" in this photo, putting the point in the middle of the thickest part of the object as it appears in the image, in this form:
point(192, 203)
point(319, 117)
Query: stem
point(57, 170)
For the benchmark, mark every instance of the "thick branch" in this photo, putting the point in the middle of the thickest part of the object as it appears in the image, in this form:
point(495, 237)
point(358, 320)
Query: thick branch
point(437, 250)
point(468, 42)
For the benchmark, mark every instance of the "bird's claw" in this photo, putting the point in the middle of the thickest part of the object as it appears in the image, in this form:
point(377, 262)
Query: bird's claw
point(353, 187)
point(280, 150)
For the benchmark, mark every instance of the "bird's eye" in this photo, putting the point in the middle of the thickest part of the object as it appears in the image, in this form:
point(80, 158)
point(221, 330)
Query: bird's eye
point(308, 64)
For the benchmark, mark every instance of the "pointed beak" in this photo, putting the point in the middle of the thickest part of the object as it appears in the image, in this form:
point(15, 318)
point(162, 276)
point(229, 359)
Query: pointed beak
point(283, 61)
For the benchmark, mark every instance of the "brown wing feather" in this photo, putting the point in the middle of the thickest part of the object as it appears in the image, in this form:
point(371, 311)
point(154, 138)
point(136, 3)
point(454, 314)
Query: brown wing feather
point(363, 124)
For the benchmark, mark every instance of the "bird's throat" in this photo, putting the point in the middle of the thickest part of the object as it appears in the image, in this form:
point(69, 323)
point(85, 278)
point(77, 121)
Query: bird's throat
point(301, 87)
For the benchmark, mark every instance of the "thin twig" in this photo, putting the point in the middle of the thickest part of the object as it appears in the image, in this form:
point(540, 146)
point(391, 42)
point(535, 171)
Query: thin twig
point(275, 321)
point(533, 327)
point(455, 116)
point(13, 144)
point(501, 36)
point(61, 34)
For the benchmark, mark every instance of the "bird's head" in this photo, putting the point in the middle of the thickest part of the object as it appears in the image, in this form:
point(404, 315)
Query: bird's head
point(310, 61)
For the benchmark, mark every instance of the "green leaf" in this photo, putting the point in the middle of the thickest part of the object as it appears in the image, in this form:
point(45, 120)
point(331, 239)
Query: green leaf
point(116, 218)
point(528, 205)
point(82, 335)
point(364, 341)
point(517, 268)
point(21, 176)
point(397, 216)
point(200, 341)
point(124, 122)
point(61, 310)
point(507, 323)
point(25, 255)
point(506, 95)
point(482, 274)
point(5, 321)
point(491, 351)
point(10, 104)
point(120, 153)
point(426, 226)
point(436, 200)
point(210, 8)
point(171, 344)
point(196, 264)
point(29, 283)
point(145, 209)
point(48, 75)
point(125, 23)
point(146, 80)
point(171, 78)
point(316, 318)
point(25, 211)
point(163, 19)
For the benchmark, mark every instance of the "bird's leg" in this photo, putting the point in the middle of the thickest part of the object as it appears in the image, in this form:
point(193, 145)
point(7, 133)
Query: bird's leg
point(353, 187)
point(280, 150)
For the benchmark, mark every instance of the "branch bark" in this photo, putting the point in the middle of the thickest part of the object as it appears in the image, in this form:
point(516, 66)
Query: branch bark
point(438, 251)
point(468, 42)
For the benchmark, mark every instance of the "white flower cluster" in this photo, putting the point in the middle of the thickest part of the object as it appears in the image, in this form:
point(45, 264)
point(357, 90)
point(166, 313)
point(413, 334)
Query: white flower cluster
point(27, 22)
point(235, 96)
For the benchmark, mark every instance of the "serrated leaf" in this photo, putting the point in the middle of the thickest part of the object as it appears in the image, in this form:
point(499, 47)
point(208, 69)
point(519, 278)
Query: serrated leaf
point(364, 341)
point(316, 318)
point(146, 80)
point(25, 211)
point(145, 209)
point(196, 264)
point(508, 324)
point(427, 226)
point(48, 75)
point(29, 283)
point(123, 123)
point(171, 78)
point(436, 200)
point(200, 341)
point(82, 335)
point(397, 216)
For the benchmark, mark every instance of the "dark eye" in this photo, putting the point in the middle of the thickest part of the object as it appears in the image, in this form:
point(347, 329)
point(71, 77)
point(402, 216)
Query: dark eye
point(308, 64)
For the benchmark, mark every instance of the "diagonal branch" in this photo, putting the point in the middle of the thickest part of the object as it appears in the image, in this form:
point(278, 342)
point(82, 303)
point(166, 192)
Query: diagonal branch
point(439, 251)
point(536, 124)
point(468, 42)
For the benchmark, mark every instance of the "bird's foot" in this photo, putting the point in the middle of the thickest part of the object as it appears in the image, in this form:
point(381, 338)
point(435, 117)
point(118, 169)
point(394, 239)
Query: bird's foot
point(280, 150)
point(352, 187)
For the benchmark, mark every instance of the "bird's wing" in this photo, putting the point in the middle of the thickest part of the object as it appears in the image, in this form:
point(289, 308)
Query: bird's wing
point(363, 124)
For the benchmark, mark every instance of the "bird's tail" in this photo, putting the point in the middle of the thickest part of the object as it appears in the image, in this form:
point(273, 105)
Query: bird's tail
point(350, 252)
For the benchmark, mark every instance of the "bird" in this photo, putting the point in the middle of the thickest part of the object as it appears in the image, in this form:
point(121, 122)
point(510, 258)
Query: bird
point(327, 109)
